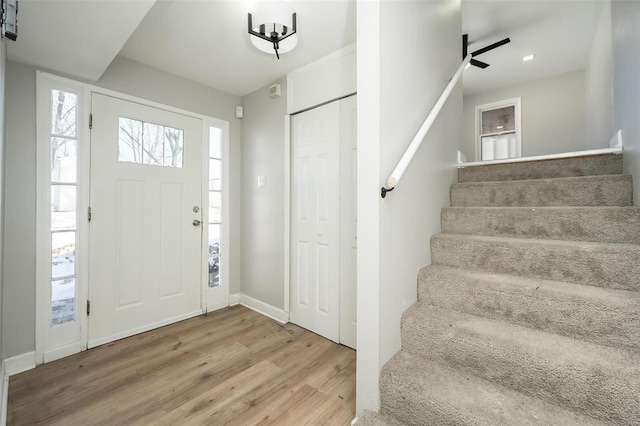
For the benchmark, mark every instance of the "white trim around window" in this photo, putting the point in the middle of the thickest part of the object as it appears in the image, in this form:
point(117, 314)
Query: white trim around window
point(217, 297)
point(516, 102)
point(56, 341)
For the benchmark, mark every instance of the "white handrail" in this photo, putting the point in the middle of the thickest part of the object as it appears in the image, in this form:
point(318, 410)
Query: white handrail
point(424, 129)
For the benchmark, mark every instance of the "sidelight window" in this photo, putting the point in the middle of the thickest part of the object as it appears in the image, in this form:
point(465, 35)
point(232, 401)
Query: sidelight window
point(215, 204)
point(63, 140)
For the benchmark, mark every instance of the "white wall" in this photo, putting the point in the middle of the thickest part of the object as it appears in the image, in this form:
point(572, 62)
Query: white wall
point(398, 84)
point(599, 85)
point(326, 79)
point(263, 207)
point(625, 35)
point(553, 114)
point(18, 269)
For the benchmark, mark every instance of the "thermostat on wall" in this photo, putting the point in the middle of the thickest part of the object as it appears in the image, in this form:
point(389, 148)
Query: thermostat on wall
point(275, 91)
point(239, 112)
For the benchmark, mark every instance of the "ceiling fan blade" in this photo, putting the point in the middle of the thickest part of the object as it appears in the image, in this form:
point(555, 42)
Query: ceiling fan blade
point(490, 47)
point(465, 45)
point(479, 64)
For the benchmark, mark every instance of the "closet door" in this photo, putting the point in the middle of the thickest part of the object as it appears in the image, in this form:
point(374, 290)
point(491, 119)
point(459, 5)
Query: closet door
point(315, 220)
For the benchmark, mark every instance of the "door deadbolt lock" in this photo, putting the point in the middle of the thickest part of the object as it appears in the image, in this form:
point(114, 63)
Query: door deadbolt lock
point(196, 209)
point(196, 222)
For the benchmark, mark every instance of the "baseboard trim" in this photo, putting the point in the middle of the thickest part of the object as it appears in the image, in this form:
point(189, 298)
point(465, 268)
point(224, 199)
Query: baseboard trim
point(264, 309)
point(20, 363)
point(104, 340)
point(62, 351)
point(217, 305)
point(4, 396)
point(234, 299)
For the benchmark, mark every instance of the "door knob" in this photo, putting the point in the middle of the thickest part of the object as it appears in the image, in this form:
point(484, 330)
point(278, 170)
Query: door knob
point(196, 222)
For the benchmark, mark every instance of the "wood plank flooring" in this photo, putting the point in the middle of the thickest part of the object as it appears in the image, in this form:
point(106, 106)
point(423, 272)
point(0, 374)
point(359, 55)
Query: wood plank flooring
point(230, 367)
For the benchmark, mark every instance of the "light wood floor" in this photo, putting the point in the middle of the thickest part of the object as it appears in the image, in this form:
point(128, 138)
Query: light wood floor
point(231, 367)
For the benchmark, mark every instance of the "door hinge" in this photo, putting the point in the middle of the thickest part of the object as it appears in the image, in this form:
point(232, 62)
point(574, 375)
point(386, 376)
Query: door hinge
point(89, 214)
point(90, 121)
point(88, 308)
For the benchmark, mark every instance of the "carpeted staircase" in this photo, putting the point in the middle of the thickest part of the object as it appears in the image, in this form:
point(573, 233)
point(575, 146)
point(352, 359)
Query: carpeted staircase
point(530, 311)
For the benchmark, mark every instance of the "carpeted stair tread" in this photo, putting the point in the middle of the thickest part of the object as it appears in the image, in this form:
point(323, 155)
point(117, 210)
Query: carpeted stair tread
point(597, 224)
point(598, 264)
point(370, 418)
point(599, 381)
point(609, 190)
point(609, 164)
point(421, 392)
point(598, 315)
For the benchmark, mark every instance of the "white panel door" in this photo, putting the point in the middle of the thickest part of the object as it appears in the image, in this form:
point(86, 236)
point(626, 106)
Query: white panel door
point(145, 235)
point(348, 221)
point(315, 201)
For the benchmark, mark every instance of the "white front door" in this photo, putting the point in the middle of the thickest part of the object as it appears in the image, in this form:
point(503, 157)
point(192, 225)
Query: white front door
point(145, 231)
point(315, 211)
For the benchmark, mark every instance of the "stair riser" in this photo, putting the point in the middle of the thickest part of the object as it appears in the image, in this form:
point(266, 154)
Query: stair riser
point(587, 191)
point(604, 391)
point(568, 167)
point(569, 313)
point(605, 266)
point(421, 393)
point(414, 410)
point(602, 224)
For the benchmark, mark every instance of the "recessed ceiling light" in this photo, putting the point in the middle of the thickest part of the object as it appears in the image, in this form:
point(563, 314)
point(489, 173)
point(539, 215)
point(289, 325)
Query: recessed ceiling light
point(528, 58)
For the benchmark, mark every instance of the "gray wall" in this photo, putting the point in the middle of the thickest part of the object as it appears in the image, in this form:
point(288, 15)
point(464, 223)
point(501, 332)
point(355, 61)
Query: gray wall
point(20, 190)
point(598, 84)
point(19, 263)
point(3, 71)
point(553, 114)
point(263, 207)
point(625, 34)
point(398, 83)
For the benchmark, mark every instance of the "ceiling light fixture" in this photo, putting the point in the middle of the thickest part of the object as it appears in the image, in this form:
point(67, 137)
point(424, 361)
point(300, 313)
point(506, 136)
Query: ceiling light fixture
point(528, 58)
point(273, 27)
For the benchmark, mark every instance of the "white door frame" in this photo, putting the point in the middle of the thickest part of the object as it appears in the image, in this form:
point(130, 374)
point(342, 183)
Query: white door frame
point(211, 298)
point(516, 102)
point(45, 81)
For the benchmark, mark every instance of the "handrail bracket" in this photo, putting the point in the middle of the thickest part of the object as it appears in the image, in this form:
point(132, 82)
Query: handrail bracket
point(383, 191)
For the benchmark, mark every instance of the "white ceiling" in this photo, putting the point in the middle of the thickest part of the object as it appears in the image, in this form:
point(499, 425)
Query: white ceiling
point(207, 41)
point(79, 38)
point(559, 33)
